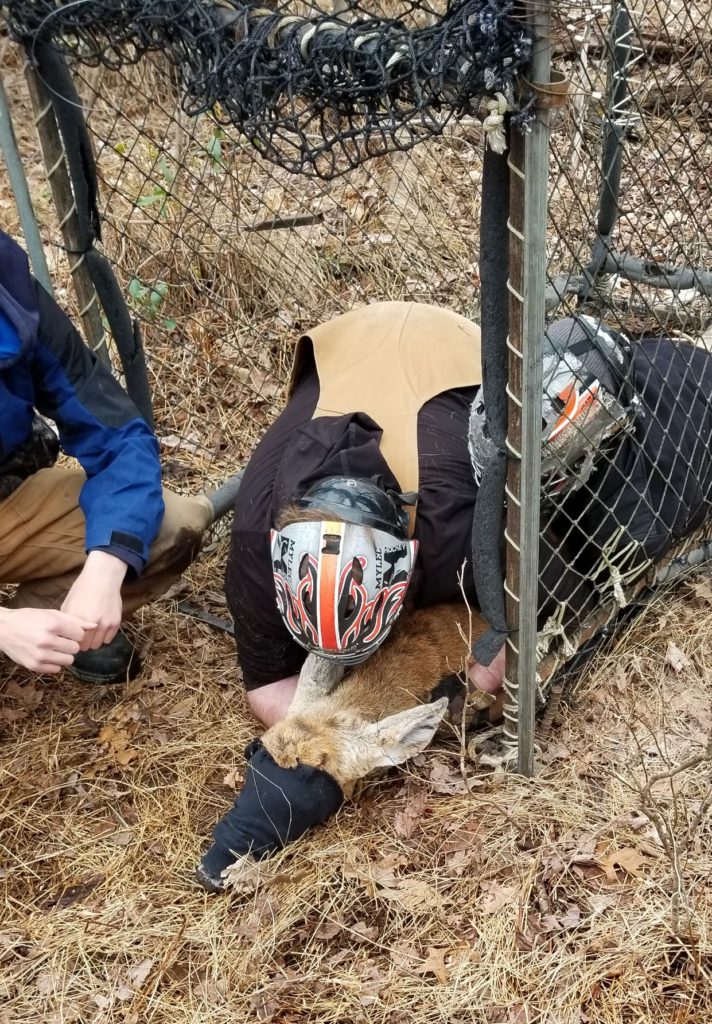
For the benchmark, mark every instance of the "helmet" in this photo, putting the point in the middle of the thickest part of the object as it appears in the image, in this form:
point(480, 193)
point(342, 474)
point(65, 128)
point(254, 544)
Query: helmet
point(587, 399)
point(341, 585)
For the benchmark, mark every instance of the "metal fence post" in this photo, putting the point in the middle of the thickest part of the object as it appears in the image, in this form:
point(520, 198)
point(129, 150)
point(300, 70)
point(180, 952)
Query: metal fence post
point(527, 283)
point(18, 181)
point(58, 177)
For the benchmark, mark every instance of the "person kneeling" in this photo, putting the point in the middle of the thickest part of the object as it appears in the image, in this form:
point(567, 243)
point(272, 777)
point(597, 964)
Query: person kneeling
point(86, 546)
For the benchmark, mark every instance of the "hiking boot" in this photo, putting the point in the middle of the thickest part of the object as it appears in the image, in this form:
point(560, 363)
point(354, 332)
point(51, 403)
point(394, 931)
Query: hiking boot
point(116, 662)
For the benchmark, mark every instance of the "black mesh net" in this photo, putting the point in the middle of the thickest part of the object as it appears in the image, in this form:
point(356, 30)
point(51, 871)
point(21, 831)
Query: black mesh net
point(315, 90)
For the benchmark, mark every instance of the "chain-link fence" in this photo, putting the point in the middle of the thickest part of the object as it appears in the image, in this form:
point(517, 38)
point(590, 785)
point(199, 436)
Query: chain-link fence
point(225, 254)
point(626, 474)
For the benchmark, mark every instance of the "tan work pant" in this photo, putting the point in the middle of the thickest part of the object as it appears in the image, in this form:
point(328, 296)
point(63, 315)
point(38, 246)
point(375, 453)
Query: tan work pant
point(42, 537)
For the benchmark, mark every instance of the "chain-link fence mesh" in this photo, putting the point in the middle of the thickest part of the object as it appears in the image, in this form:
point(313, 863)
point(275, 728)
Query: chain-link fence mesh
point(626, 489)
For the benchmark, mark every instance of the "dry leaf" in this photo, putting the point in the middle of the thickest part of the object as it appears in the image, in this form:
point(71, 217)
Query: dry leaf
point(364, 932)
point(413, 894)
point(435, 964)
point(496, 896)
point(677, 658)
point(327, 930)
point(74, 893)
point(29, 695)
point(599, 904)
point(121, 838)
point(11, 715)
point(233, 778)
point(703, 590)
point(405, 822)
point(445, 779)
point(630, 859)
point(46, 984)
point(571, 918)
point(138, 974)
point(124, 757)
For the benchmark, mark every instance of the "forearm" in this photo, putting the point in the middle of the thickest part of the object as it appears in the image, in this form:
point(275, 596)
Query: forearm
point(96, 595)
point(107, 567)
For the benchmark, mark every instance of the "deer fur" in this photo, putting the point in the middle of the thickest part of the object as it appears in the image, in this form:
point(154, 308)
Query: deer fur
point(377, 714)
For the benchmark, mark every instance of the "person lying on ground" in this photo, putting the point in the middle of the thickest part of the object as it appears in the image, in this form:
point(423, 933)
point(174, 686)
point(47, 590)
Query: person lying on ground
point(361, 496)
point(384, 432)
point(87, 546)
point(374, 435)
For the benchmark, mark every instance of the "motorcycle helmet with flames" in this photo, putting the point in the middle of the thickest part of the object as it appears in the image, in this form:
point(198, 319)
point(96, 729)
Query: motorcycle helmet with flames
point(341, 582)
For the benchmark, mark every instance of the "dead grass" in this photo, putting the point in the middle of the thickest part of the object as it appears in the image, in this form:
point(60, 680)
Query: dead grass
point(545, 901)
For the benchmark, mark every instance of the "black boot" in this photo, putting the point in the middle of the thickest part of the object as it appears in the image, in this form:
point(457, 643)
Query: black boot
point(116, 662)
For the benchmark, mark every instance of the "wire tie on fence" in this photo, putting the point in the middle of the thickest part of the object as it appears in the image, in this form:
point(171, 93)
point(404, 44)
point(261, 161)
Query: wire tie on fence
point(400, 51)
point(617, 574)
point(305, 40)
point(43, 113)
point(518, 403)
point(518, 296)
point(360, 40)
point(514, 231)
point(280, 27)
point(553, 628)
point(515, 170)
point(512, 544)
point(90, 303)
point(69, 250)
point(59, 162)
point(514, 597)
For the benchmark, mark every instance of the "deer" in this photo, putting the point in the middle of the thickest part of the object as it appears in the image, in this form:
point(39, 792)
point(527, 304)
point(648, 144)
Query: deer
point(380, 713)
point(347, 724)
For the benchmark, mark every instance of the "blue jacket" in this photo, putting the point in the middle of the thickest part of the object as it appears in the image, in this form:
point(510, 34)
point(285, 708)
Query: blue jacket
point(45, 366)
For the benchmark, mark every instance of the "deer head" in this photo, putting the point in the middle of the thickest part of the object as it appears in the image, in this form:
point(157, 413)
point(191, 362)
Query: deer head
point(348, 746)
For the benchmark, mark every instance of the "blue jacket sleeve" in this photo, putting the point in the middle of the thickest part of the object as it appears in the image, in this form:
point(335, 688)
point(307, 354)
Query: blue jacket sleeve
point(100, 426)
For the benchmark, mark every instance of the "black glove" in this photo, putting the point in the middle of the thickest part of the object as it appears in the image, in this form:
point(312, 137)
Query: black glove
point(275, 807)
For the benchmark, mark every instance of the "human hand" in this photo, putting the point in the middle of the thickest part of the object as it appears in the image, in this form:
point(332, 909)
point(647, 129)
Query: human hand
point(96, 595)
point(42, 639)
point(488, 677)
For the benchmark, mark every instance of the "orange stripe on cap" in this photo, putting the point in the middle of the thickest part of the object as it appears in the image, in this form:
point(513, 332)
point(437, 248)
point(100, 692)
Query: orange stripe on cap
point(575, 405)
point(327, 606)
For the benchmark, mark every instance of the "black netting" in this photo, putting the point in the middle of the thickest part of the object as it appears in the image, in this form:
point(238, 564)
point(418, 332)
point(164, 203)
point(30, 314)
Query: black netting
point(311, 90)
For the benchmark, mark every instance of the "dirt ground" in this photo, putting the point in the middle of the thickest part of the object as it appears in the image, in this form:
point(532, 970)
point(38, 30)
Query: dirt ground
point(580, 896)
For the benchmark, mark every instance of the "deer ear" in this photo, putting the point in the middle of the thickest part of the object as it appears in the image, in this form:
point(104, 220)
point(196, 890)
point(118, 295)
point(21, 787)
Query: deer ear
point(404, 735)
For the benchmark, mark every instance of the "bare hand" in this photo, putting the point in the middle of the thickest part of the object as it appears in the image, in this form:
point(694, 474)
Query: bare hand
point(96, 595)
point(488, 677)
point(42, 639)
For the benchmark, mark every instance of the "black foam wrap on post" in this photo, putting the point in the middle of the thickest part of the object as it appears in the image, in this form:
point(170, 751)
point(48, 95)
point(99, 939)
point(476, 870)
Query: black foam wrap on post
point(81, 167)
point(489, 508)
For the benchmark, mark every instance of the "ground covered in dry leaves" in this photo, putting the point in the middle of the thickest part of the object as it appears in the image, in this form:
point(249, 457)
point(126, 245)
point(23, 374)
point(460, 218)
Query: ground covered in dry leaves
point(549, 900)
point(429, 899)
